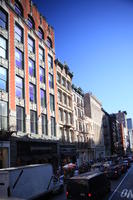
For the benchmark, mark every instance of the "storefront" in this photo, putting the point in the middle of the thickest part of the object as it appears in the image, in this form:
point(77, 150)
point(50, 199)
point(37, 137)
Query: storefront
point(4, 154)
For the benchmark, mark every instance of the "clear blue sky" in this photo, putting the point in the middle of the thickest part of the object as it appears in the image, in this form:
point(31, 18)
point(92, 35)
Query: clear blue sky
point(95, 38)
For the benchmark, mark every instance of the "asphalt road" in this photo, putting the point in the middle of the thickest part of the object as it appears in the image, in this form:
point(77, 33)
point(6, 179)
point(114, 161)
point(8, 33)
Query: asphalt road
point(121, 189)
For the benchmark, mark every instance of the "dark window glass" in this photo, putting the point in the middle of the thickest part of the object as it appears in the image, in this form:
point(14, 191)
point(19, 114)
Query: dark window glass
point(18, 9)
point(41, 54)
point(53, 129)
point(49, 42)
point(33, 122)
point(40, 33)
point(3, 48)
point(31, 67)
point(50, 61)
point(31, 23)
point(18, 33)
point(20, 118)
point(32, 91)
point(52, 106)
point(19, 87)
point(3, 115)
point(51, 81)
point(44, 125)
point(43, 98)
point(42, 75)
point(3, 19)
point(31, 44)
point(58, 78)
point(3, 79)
point(19, 58)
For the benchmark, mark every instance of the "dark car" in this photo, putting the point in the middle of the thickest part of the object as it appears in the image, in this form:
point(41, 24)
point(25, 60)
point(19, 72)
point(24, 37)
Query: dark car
point(123, 167)
point(88, 186)
point(113, 171)
point(127, 162)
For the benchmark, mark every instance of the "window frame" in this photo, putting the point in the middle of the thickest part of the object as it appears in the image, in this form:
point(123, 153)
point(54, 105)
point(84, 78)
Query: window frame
point(50, 61)
point(22, 128)
point(30, 61)
point(44, 126)
point(34, 92)
point(52, 103)
point(21, 61)
point(20, 88)
point(32, 48)
point(4, 48)
point(43, 100)
point(33, 123)
point(51, 81)
point(53, 126)
point(4, 80)
point(16, 33)
point(5, 22)
point(43, 76)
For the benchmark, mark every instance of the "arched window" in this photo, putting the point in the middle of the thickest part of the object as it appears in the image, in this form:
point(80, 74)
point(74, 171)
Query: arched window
point(18, 8)
point(49, 42)
point(31, 22)
point(40, 33)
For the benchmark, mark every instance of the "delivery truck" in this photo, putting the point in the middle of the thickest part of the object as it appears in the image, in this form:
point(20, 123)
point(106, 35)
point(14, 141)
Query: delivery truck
point(28, 182)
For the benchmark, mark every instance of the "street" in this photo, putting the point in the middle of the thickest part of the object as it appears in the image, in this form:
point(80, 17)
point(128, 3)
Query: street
point(121, 189)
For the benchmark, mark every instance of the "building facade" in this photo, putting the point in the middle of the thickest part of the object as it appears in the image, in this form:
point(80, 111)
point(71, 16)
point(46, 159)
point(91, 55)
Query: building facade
point(28, 90)
point(80, 126)
point(122, 119)
point(93, 110)
point(65, 113)
point(130, 132)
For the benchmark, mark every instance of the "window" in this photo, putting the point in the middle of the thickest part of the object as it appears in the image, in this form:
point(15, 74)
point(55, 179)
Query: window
point(43, 98)
point(3, 19)
point(33, 122)
point(20, 118)
point(51, 81)
point(69, 118)
point(50, 61)
point(52, 108)
point(31, 22)
point(31, 45)
point(19, 87)
point(42, 75)
point(19, 59)
point(3, 115)
point(44, 124)
point(53, 128)
point(63, 81)
point(59, 96)
point(41, 54)
point(65, 117)
point(69, 101)
point(18, 33)
point(40, 33)
point(3, 48)
point(49, 42)
point(3, 79)
point(65, 99)
point(58, 78)
point(61, 115)
point(18, 8)
point(68, 85)
point(32, 93)
point(31, 67)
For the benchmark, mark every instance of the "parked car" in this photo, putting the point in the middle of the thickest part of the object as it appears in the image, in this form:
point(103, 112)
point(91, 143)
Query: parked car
point(88, 186)
point(113, 171)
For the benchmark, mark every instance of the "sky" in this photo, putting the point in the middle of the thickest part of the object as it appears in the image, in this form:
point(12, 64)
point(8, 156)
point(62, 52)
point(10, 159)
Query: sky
point(95, 39)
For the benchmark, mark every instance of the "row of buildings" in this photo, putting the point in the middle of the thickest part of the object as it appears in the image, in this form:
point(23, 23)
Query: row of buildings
point(43, 116)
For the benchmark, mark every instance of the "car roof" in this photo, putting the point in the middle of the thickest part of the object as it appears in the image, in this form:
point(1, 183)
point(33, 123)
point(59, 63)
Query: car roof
point(87, 175)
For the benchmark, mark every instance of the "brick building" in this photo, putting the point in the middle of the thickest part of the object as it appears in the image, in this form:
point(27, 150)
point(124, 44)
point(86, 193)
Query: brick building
point(28, 91)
